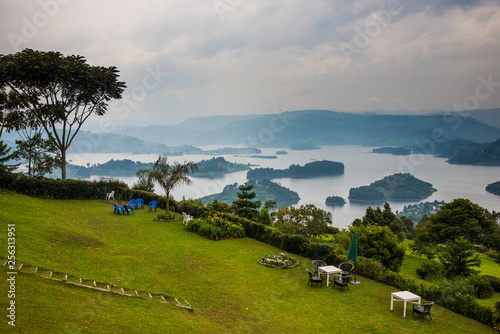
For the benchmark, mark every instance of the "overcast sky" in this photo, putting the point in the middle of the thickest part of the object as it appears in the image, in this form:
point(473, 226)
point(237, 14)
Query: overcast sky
point(189, 58)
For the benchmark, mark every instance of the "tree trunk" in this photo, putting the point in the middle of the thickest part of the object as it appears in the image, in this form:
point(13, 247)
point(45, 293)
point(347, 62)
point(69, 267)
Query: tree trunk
point(63, 164)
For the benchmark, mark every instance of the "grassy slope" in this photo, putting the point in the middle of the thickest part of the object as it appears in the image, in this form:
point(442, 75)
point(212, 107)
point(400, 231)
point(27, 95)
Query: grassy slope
point(228, 290)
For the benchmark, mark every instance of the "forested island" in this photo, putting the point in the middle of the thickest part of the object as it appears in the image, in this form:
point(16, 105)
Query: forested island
point(494, 188)
point(309, 170)
point(417, 211)
point(392, 150)
point(264, 156)
point(335, 200)
point(210, 168)
point(264, 189)
point(217, 167)
point(281, 152)
point(401, 186)
point(112, 168)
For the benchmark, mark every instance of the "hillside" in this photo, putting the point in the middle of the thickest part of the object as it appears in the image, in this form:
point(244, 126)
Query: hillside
point(85, 239)
point(485, 155)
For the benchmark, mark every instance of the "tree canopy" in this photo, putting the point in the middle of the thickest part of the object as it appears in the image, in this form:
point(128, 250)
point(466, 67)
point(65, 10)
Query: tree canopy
point(59, 92)
point(459, 218)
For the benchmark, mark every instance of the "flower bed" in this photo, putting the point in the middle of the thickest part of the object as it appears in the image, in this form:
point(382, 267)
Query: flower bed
point(281, 261)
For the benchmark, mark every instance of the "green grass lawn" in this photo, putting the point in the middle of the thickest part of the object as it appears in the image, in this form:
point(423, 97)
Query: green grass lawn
point(228, 290)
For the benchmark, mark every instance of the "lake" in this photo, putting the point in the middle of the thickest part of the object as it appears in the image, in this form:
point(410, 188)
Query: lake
point(362, 167)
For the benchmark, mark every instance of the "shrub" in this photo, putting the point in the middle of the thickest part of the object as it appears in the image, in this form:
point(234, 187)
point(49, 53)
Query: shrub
point(497, 305)
point(430, 269)
point(494, 282)
point(216, 227)
point(264, 218)
point(370, 268)
point(332, 230)
point(482, 286)
point(194, 208)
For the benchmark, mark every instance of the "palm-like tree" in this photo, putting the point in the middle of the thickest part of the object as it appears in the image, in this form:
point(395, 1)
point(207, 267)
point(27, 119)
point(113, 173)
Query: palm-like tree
point(168, 176)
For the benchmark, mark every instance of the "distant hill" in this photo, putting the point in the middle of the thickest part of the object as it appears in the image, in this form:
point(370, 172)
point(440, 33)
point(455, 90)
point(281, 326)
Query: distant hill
point(485, 155)
point(314, 128)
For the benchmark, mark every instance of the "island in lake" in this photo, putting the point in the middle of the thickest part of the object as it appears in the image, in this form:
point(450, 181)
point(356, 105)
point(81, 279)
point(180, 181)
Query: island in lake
point(309, 170)
point(217, 167)
point(264, 189)
point(399, 187)
point(494, 188)
point(335, 200)
point(392, 150)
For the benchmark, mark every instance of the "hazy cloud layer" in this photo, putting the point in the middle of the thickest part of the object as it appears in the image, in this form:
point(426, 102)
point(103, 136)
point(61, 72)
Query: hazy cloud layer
point(188, 58)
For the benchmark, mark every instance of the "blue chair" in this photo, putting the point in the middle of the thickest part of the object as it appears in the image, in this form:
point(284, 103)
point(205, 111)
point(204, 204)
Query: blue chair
point(140, 202)
point(133, 203)
point(128, 209)
point(152, 205)
point(118, 209)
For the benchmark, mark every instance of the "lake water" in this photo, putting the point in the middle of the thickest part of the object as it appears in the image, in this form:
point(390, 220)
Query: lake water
point(361, 168)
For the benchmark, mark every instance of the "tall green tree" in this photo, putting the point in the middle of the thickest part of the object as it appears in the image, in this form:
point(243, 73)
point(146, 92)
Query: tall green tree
point(383, 218)
point(458, 258)
point(60, 92)
point(244, 206)
point(167, 176)
point(459, 218)
point(381, 244)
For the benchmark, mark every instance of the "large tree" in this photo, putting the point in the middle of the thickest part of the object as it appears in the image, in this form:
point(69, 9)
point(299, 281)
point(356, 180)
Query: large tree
point(60, 92)
point(459, 218)
point(168, 176)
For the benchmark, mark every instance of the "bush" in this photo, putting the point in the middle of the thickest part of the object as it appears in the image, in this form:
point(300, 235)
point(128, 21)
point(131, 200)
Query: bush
point(216, 227)
point(494, 282)
point(430, 269)
point(497, 305)
point(194, 208)
point(332, 230)
point(264, 218)
point(482, 286)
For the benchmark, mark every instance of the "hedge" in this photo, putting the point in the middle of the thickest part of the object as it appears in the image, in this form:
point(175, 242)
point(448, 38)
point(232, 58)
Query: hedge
point(77, 189)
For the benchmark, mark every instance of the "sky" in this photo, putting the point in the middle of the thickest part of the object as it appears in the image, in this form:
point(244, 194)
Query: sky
point(189, 58)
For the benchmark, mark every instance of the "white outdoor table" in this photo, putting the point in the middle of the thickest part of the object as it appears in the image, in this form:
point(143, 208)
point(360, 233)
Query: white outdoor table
point(329, 270)
point(404, 296)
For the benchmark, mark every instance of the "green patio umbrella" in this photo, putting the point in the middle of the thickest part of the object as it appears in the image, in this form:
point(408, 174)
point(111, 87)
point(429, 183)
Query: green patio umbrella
point(353, 254)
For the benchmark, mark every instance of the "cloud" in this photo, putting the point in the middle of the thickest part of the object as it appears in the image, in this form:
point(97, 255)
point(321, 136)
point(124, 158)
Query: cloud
point(267, 55)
